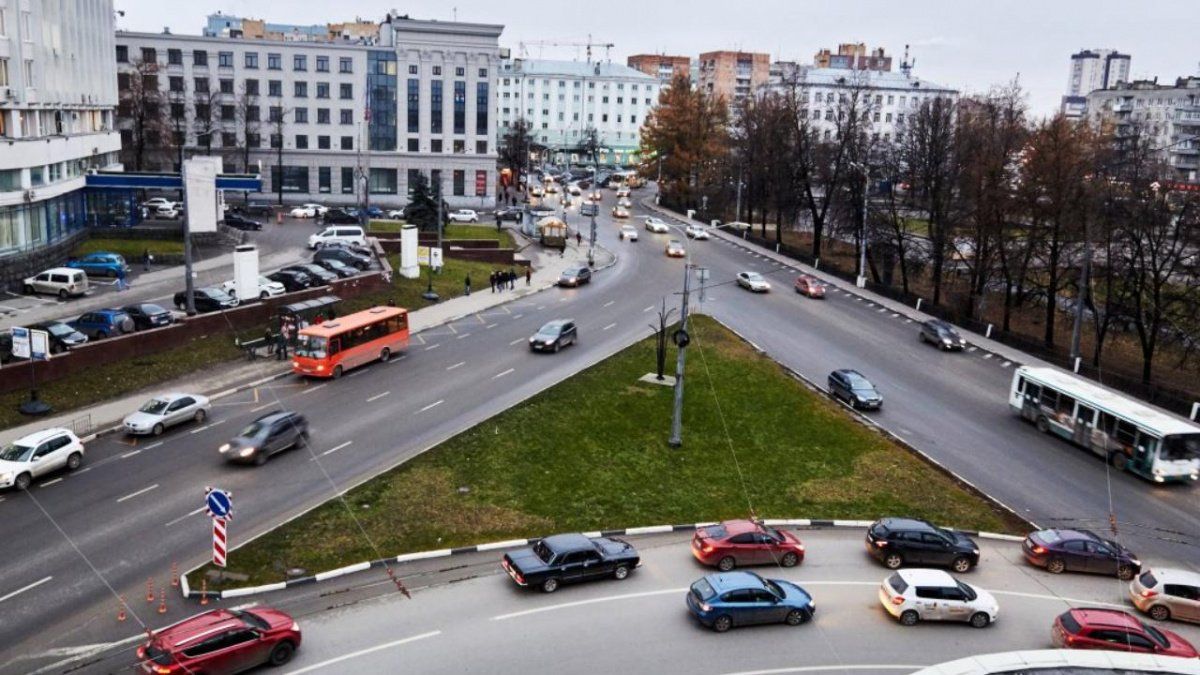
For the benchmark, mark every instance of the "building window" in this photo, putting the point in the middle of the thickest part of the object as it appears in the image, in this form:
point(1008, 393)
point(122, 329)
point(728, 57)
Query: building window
point(275, 114)
point(347, 180)
point(276, 141)
point(459, 180)
point(301, 89)
point(413, 70)
point(200, 85)
point(322, 115)
point(347, 142)
point(294, 179)
point(414, 145)
point(346, 116)
point(174, 57)
point(301, 142)
point(274, 88)
point(483, 73)
point(300, 116)
point(274, 61)
point(435, 146)
point(460, 146)
point(322, 142)
point(324, 180)
point(322, 64)
point(225, 83)
point(122, 51)
point(251, 60)
point(414, 104)
point(200, 58)
point(149, 54)
point(175, 83)
point(224, 59)
point(253, 140)
point(435, 106)
point(437, 71)
point(322, 90)
point(177, 111)
point(251, 87)
point(383, 181)
point(228, 113)
point(252, 113)
point(345, 65)
point(481, 108)
point(228, 139)
point(345, 91)
point(460, 107)
point(299, 62)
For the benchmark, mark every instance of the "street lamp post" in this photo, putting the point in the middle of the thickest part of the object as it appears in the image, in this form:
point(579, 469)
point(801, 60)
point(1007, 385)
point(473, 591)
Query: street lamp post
point(681, 342)
point(429, 293)
point(861, 282)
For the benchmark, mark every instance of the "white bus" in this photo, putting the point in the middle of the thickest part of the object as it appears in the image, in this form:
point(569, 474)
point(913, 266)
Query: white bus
point(1131, 435)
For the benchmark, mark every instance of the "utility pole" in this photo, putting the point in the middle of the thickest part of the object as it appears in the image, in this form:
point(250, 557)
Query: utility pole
point(189, 286)
point(681, 343)
point(862, 233)
point(737, 215)
point(1084, 293)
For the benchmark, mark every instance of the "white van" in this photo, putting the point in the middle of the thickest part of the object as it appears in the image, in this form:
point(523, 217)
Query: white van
point(60, 281)
point(344, 234)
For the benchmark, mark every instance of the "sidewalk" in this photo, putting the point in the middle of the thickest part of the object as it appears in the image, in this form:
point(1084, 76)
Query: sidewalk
point(228, 378)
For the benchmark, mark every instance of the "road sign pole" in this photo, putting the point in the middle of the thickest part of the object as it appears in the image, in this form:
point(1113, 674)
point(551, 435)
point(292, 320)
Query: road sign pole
point(676, 439)
point(219, 542)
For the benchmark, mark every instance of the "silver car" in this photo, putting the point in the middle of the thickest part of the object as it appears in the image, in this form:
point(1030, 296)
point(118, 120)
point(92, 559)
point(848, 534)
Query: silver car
point(1167, 594)
point(165, 411)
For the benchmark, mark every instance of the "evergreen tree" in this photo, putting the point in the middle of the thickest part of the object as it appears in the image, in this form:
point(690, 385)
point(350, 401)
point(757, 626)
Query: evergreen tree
point(422, 208)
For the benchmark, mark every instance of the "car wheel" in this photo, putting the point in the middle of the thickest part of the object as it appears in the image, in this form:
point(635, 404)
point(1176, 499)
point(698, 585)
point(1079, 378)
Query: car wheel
point(980, 620)
point(722, 623)
point(74, 460)
point(282, 653)
point(157, 430)
point(909, 617)
point(27, 289)
point(260, 458)
point(1125, 572)
point(557, 346)
point(621, 572)
point(550, 585)
point(961, 564)
point(264, 295)
point(22, 482)
point(727, 563)
point(795, 617)
point(1056, 566)
point(1043, 425)
point(62, 294)
point(200, 415)
point(337, 372)
point(1160, 613)
point(789, 560)
point(893, 561)
point(385, 354)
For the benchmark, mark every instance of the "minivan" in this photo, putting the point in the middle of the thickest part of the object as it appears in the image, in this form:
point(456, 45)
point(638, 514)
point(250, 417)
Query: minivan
point(60, 281)
point(348, 234)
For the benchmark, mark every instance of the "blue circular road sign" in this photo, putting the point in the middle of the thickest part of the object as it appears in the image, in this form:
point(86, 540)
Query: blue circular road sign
point(219, 503)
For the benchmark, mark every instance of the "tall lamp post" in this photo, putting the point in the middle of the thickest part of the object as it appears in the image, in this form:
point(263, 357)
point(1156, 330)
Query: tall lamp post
point(430, 294)
point(681, 342)
point(861, 282)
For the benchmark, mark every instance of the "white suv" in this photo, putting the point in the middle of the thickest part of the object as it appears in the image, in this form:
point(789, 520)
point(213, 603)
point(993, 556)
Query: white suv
point(463, 216)
point(60, 281)
point(37, 455)
point(344, 234)
point(266, 288)
point(915, 595)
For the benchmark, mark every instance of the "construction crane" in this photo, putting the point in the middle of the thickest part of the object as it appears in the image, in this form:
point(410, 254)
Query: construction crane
point(540, 44)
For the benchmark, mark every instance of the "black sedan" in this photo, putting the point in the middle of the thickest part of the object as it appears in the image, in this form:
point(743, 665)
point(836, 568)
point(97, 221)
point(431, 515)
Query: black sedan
point(61, 335)
point(253, 208)
point(338, 267)
point(850, 386)
point(210, 299)
point(1061, 551)
point(148, 315)
point(554, 336)
point(570, 558)
point(240, 222)
point(292, 280)
point(344, 255)
point(319, 274)
point(511, 213)
point(273, 432)
point(340, 216)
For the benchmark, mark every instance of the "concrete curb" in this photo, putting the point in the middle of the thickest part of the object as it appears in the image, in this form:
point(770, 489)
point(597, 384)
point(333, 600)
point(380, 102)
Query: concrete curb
point(810, 523)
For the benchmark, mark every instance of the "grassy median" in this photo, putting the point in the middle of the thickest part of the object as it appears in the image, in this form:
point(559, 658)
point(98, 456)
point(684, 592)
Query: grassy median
point(591, 453)
point(132, 249)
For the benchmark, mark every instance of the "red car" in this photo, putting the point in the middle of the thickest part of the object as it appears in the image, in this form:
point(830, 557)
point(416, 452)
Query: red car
point(745, 542)
point(222, 641)
point(807, 284)
point(1114, 629)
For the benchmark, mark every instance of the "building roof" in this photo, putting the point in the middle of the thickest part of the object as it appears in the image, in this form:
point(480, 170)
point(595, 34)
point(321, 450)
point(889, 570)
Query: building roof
point(546, 67)
point(874, 79)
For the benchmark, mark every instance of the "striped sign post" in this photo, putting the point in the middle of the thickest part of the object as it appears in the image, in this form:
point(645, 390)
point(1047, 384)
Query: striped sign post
point(219, 542)
point(219, 504)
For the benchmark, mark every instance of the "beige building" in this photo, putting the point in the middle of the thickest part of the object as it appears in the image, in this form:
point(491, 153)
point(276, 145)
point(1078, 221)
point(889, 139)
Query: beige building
point(853, 56)
point(733, 75)
point(662, 66)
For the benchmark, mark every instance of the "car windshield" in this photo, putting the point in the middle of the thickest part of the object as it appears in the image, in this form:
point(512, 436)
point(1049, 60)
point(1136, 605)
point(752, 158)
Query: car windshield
point(253, 620)
point(549, 330)
point(155, 406)
point(158, 655)
point(543, 552)
point(311, 346)
point(15, 452)
point(774, 588)
point(968, 592)
point(253, 429)
point(217, 294)
point(1180, 446)
point(703, 590)
point(1157, 636)
point(754, 276)
point(60, 329)
point(1049, 536)
point(779, 536)
point(152, 309)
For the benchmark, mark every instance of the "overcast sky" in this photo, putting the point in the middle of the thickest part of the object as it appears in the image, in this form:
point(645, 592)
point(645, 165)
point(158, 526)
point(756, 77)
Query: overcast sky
point(966, 44)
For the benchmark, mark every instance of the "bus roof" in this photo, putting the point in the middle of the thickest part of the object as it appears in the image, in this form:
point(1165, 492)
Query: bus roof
point(1152, 419)
point(351, 321)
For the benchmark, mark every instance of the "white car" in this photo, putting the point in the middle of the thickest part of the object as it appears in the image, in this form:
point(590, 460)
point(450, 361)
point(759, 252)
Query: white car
point(319, 209)
point(736, 226)
point(656, 225)
point(38, 454)
point(696, 232)
point(165, 411)
point(622, 192)
point(170, 212)
point(915, 595)
point(753, 281)
point(574, 190)
point(302, 212)
point(153, 204)
point(624, 201)
point(463, 216)
point(628, 232)
point(396, 214)
point(266, 288)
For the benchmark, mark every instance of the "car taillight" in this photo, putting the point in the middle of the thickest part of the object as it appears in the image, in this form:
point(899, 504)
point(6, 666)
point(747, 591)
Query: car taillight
point(141, 652)
point(1149, 593)
point(520, 577)
point(898, 600)
point(707, 548)
point(880, 543)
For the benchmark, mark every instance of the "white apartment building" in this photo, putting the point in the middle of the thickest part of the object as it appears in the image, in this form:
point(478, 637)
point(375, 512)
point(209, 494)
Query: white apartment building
point(563, 100)
point(58, 89)
point(354, 114)
point(1092, 69)
point(1167, 115)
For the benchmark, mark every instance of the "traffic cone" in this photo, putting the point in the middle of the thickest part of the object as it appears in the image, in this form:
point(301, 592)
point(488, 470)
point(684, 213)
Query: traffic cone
point(121, 609)
point(149, 590)
point(162, 601)
point(204, 592)
point(175, 575)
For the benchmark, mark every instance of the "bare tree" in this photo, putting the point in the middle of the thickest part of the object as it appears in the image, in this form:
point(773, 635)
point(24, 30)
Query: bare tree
point(206, 120)
point(277, 121)
point(660, 338)
point(247, 116)
point(931, 163)
point(515, 148)
point(141, 111)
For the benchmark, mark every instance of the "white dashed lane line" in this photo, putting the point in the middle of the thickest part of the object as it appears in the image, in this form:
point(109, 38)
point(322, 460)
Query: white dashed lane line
point(131, 453)
point(499, 375)
point(609, 303)
point(433, 346)
point(143, 491)
point(48, 483)
point(336, 448)
point(433, 405)
point(22, 589)
point(312, 389)
point(651, 307)
point(185, 516)
point(153, 445)
point(516, 341)
point(376, 397)
point(611, 325)
point(464, 335)
point(457, 365)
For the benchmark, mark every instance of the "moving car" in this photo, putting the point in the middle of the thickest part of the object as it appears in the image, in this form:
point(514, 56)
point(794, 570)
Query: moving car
point(628, 232)
point(38, 454)
point(896, 542)
point(222, 641)
point(317, 272)
point(346, 234)
point(101, 323)
point(291, 280)
point(373, 212)
point(463, 216)
point(240, 222)
point(319, 209)
point(696, 232)
point(253, 209)
point(1086, 628)
point(735, 543)
point(156, 202)
point(753, 281)
point(1061, 551)
point(807, 284)
point(60, 281)
point(535, 191)
point(942, 335)
point(575, 276)
point(574, 190)
point(302, 212)
point(620, 212)
point(100, 264)
point(675, 249)
point(850, 386)
point(168, 212)
point(149, 315)
point(622, 192)
point(933, 595)
point(62, 336)
point(340, 217)
point(727, 599)
point(266, 288)
point(570, 558)
point(396, 214)
point(624, 202)
point(551, 189)
point(273, 432)
point(344, 255)
point(208, 299)
point(165, 411)
point(341, 269)
point(554, 336)
point(1166, 594)
point(510, 213)
point(657, 225)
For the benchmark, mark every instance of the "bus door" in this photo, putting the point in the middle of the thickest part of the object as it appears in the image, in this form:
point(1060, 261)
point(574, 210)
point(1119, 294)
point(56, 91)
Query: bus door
point(1030, 401)
point(1084, 423)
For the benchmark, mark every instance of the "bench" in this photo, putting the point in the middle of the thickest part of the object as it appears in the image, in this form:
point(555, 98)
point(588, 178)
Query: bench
point(251, 347)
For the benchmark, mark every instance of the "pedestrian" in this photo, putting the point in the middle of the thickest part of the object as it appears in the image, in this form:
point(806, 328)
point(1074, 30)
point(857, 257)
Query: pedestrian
point(467, 283)
point(270, 339)
point(122, 285)
point(578, 238)
point(146, 260)
point(528, 276)
point(512, 279)
point(281, 341)
point(494, 280)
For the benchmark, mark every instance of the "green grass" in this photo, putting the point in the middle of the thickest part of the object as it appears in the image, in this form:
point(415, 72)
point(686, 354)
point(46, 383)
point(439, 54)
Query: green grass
point(448, 284)
point(591, 453)
point(459, 231)
point(131, 248)
point(98, 384)
point(390, 226)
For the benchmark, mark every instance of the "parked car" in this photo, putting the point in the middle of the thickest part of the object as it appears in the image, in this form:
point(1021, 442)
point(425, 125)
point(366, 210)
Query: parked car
point(319, 209)
point(100, 264)
point(291, 280)
point(554, 335)
point(266, 288)
point(155, 202)
point(165, 411)
point(628, 232)
point(396, 214)
point(942, 335)
point(736, 543)
point(6, 346)
point(570, 558)
point(807, 284)
point(535, 191)
point(934, 595)
point(511, 213)
point(753, 281)
point(727, 599)
point(1087, 628)
point(302, 212)
point(344, 255)
point(38, 454)
point(167, 212)
point(149, 315)
point(101, 323)
point(696, 232)
point(222, 640)
point(850, 386)
point(272, 433)
point(61, 336)
point(373, 212)
point(323, 276)
point(208, 299)
point(657, 225)
point(340, 216)
point(253, 209)
point(896, 542)
point(675, 249)
point(620, 212)
point(463, 216)
point(575, 276)
point(1061, 551)
point(60, 281)
point(1166, 594)
point(240, 222)
point(343, 270)
point(348, 234)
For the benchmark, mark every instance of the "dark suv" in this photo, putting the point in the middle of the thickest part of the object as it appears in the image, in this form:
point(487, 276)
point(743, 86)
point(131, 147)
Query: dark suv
point(343, 255)
point(896, 542)
point(942, 335)
point(274, 432)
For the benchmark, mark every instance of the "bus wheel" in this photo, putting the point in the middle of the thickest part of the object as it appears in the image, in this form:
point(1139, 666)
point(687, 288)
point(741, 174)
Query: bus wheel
point(337, 372)
point(385, 354)
point(1042, 424)
point(1119, 460)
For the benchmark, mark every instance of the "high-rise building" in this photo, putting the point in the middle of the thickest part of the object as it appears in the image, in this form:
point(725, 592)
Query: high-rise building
point(853, 56)
point(1092, 69)
point(58, 89)
point(661, 66)
point(1166, 116)
point(733, 75)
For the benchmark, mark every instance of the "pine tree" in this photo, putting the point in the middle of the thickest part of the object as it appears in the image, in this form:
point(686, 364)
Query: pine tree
point(422, 208)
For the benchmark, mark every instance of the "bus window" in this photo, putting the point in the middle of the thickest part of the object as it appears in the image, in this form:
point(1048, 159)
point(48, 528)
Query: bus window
point(1106, 423)
point(1049, 398)
point(1180, 446)
point(1085, 415)
point(310, 347)
point(1066, 406)
point(1126, 434)
point(1147, 445)
point(335, 346)
point(1032, 392)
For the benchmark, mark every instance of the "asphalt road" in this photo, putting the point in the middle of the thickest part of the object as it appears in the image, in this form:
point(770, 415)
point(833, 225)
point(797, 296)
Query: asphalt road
point(134, 509)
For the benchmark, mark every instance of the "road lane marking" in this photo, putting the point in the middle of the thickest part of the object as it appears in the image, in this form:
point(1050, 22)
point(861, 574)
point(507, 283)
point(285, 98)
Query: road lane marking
point(198, 429)
point(480, 318)
point(432, 405)
point(490, 326)
point(451, 327)
point(457, 365)
point(262, 407)
point(189, 514)
point(364, 652)
point(987, 356)
point(647, 309)
point(499, 375)
point(336, 448)
point(312, 389)
point(517, 316)
point(882, 309)
point(563, 299)
point(611, 325)
point(464, 335)
point(1006, 364)
point(52, 482)
point(541, 307)
point(580, 603)
point(433, 346)
point(153, 445)
point(21, 590)
point(971, 349)
point(130, 454)
point(609, 303)
point(419, 337)
point(376, 397)
point(139, 492)
point(516, 341)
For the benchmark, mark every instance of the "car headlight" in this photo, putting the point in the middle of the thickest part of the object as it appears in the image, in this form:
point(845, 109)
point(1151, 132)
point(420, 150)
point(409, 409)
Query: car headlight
point(5, 477)
point(246, 452)
point(532, 340)
point(1135, 561)
point(974, 551)
point(224, 448)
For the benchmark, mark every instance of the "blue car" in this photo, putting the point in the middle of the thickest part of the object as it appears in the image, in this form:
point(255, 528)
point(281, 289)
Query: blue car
point(374, 212)
point(724, 600)
point(103, 323)
point(100, 263)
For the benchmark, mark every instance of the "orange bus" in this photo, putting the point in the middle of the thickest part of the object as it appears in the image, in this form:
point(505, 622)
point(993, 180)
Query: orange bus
point(329, 349)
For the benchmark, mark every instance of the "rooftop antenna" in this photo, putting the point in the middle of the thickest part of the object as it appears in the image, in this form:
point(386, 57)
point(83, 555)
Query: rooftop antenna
point(906, 65)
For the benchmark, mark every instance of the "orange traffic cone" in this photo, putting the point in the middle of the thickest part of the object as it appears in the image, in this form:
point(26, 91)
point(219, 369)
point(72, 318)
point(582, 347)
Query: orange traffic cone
point(204, 591)
point(162, 601)
point(121, 609)
point(149, 590)
point(175, 575)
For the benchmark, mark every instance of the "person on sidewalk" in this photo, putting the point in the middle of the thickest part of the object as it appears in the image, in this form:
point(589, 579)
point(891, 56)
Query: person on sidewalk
point(492, 280)
point(122, 285)
point(512, 279)
point(528, 276)
point(282, 338)
point(467, 284)
point(271, 340)
point(578, 238)
point(146, 259)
